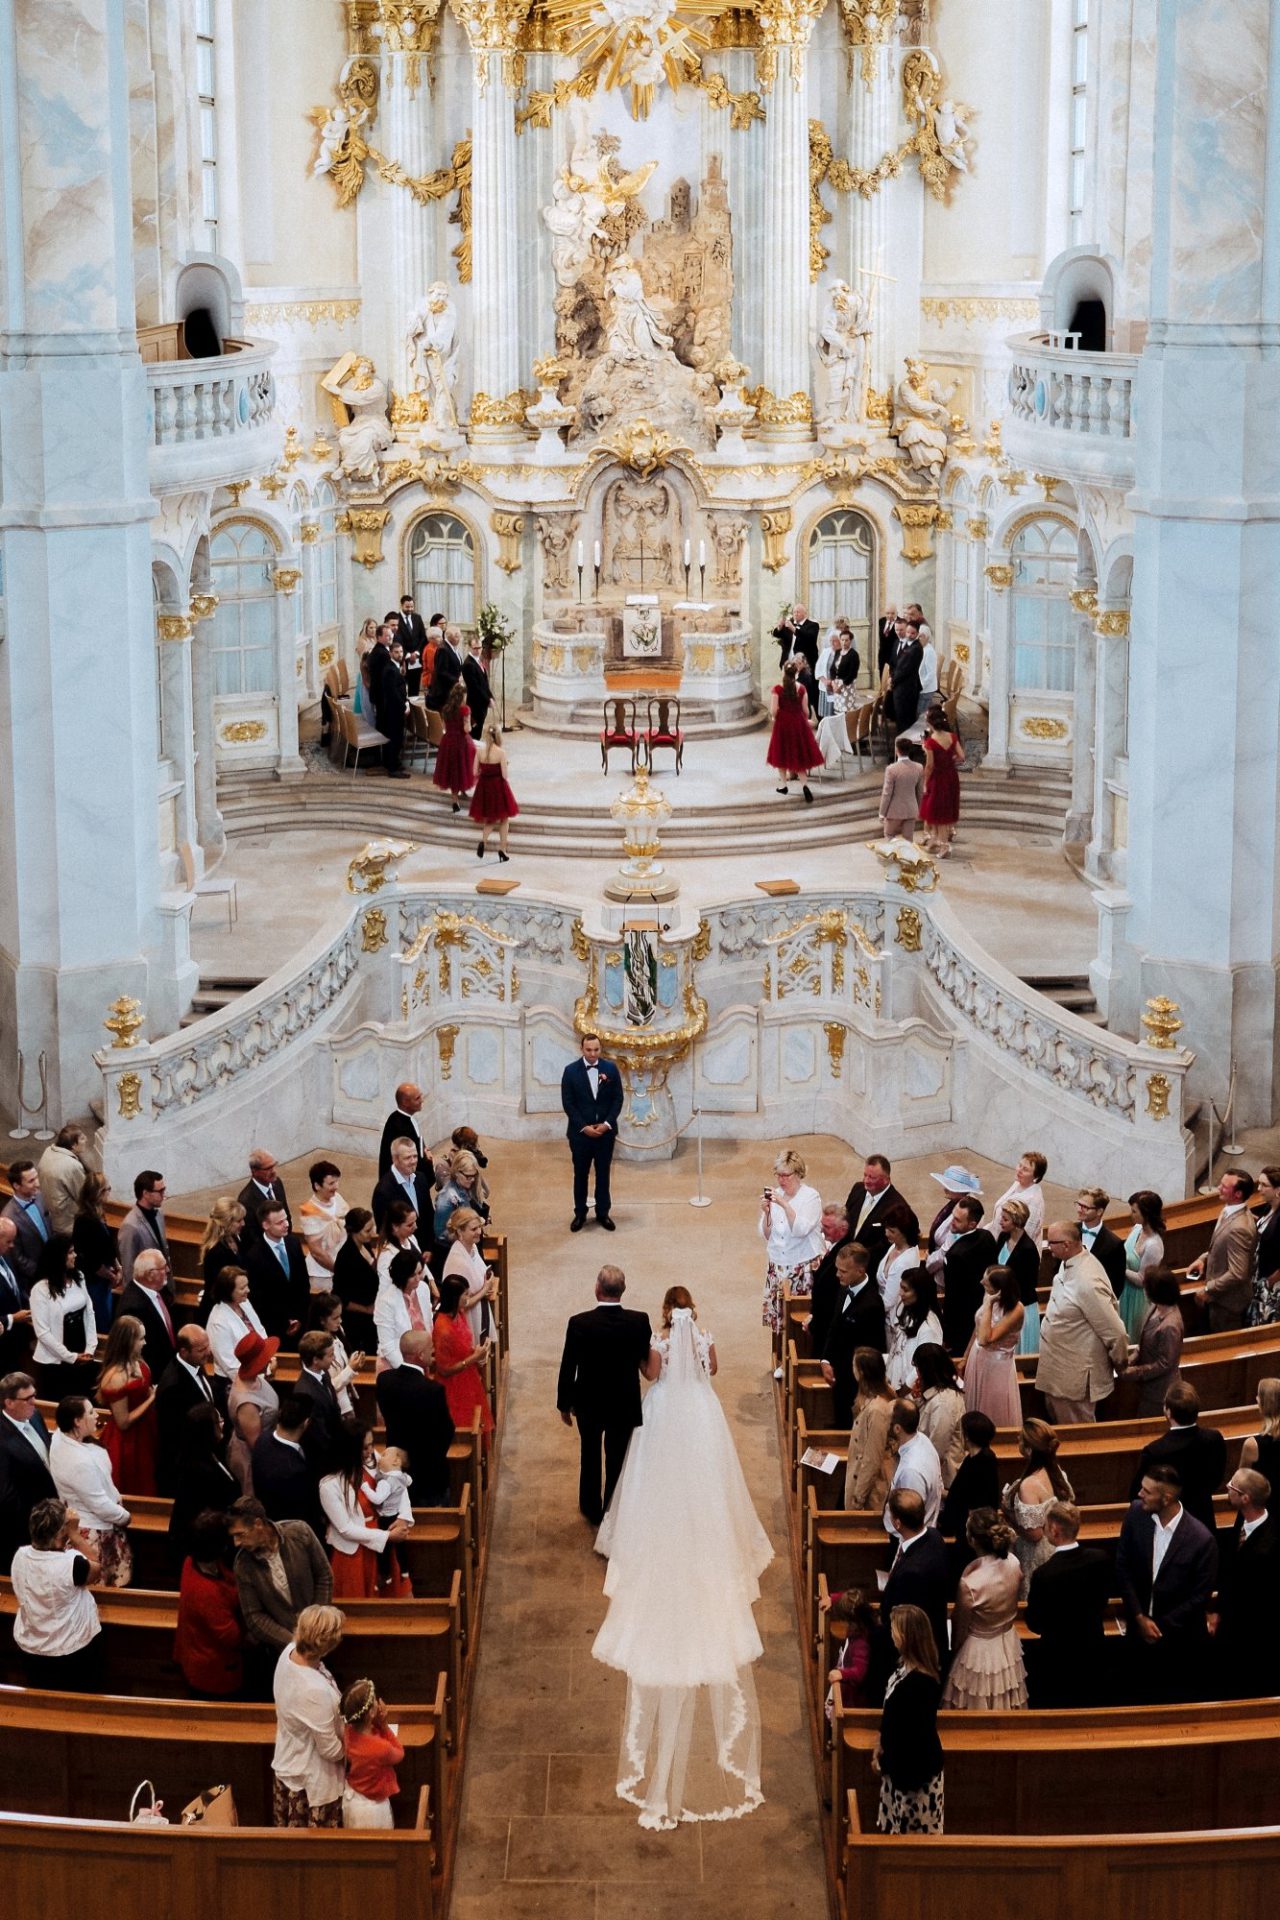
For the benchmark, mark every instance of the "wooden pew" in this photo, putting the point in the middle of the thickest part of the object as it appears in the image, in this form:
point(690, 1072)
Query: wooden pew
point(206, 1874)
point(404, 1646)
point(85, 1754)
point(1154, 1769)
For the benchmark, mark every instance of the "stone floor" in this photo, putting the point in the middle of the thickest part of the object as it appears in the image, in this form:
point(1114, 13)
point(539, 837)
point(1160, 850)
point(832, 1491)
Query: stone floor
point(543, 1833)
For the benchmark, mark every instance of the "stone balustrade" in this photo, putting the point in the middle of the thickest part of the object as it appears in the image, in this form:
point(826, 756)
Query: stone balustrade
point(1069, 412)
point(212, 420)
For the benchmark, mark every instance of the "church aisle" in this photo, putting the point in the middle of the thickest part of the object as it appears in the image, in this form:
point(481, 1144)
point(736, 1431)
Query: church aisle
point(543, 1832)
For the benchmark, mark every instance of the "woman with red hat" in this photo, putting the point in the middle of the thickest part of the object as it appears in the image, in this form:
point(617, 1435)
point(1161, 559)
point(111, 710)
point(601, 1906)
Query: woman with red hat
point(255, 1357)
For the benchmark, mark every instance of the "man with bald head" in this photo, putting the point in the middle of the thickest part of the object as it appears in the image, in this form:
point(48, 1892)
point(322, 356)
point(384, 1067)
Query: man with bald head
point(401, 1125)
point(1083, 1342)
point(417, 1418)
point(185, 1383)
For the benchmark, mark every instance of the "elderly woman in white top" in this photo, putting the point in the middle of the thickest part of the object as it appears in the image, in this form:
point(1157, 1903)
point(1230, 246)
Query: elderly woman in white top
point(1027, 1188)
point(232, 1316)
point(901, 1255)
point(791, 1227)
point(63, 1323)
point(309, 1762)
point(82, 1474)
point(404, 1302)
point(57, 1628)
point(465, 1229)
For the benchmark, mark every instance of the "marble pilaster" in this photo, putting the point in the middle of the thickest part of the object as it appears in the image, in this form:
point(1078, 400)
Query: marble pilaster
point(1110, 682)
point(787, 294)
point(289, 763)
point(210, 831)
point(1081, 815)
point(872, 120)
point(1001, 683)
point(404, 108)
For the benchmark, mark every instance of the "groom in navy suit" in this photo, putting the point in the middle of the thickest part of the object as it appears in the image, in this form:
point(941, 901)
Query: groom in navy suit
point(591, 1095)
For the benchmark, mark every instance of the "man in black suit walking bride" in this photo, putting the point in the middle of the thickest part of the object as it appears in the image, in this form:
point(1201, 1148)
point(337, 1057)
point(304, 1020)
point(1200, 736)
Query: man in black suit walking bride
point(599, 1386)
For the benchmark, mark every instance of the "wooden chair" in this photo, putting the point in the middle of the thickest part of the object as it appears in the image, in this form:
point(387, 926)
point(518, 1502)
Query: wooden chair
point(344, 679)
point(357, 737)
point(619, 730)
point(418, 736)
point(215, 886)
point(858, 728)
point(665, 730)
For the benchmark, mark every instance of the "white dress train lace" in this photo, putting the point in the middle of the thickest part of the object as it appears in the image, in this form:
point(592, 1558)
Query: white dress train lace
point(685, 1552)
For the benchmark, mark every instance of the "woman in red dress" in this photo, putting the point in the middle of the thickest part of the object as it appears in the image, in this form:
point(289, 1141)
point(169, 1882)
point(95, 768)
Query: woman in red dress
point(493, 803)
point(940, 802)
point(125, 1390)
point(365, 1521)
point(793, 745)
point(456, 759)
point(459, 1360)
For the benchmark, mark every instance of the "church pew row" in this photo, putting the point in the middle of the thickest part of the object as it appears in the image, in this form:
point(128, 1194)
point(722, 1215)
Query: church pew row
point(1130, 1875)
point(85, 1754)
point(1155, 1769)
point(403, 1646)
point(50, 1865)
point(440, 1545)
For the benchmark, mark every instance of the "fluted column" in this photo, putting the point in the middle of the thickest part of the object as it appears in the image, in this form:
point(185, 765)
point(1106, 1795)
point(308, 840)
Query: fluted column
point(872, 115)
point(1080, 815)
point(498, 370)
point(785, 28)
point(210, 830)
point(405, 111)
point(1109, 685)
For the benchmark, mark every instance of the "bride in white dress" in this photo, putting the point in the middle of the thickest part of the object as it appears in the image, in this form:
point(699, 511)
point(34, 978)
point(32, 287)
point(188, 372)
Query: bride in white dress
point(685, 1553)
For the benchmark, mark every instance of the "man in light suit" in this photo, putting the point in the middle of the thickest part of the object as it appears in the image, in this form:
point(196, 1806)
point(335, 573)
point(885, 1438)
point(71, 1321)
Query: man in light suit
point(1083, 1343)
point(1106, 1247)
point(591, 1095)
point(142, 1230)
point(869, 1200)
point(25, 1477)
point(31, 1222)
point(1227, 1268)
point(1167, 1568)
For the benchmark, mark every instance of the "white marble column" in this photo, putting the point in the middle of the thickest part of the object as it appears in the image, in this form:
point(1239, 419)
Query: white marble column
point(1204, 802)
point(1000, 689)
point(288, 581)
point(174, 630)
point(787, 291)
point(1079, 826)
point(1111, 692)
point(210, 830)
point(497, 360)
point(405, 109)
point(80, 919)
point(873, 127)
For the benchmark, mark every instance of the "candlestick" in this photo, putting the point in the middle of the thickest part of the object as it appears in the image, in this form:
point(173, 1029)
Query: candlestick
point(597, 556)
point(702, 556)
point(702, 580)
point(579, 576)
point(579, 556)
point(688, 554)
point(686, 569)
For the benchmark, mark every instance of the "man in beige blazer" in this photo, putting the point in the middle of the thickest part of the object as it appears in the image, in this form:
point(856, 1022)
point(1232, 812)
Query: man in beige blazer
point(1227, 1268)
point(1083, 1343)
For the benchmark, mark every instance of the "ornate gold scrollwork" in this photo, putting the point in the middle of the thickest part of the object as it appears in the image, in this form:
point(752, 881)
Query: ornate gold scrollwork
point(1158, 1091)
point(508, 527)
point(917, 528)
point(836, 1034)
point(124, 1019)
point(1161, 1022)
point(373, 930)
point(774, 528)
point(446, 1041)
point(129, 1089)
point(1000, 575)
point(908, 930)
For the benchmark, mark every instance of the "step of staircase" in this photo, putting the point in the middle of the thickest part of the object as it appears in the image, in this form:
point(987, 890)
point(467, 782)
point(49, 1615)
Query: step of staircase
point(216, 992)
point(1071, 991)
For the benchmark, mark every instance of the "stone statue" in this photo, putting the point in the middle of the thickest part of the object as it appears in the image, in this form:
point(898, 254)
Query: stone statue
point(366, 434)
point(556, 535)
point(334, 131)
point(951, 132)
point(920, 419)
point(433, 356)
point(844, 341)
point(585, 192)
point(727, 535)
point(635, 332)
point(637, 528)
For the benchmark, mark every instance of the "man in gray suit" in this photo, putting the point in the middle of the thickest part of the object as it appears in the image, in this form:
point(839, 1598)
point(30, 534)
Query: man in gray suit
point(1227, 1268)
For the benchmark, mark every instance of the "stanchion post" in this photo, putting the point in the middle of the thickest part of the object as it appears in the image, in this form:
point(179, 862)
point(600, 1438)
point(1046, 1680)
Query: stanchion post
point(699, 1199)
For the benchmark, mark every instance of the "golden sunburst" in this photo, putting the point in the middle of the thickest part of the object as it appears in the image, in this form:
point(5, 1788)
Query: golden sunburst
point(634, 43)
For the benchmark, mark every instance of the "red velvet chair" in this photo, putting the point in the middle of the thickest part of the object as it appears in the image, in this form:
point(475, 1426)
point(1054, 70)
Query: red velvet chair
point(664, 731)
point(619, 730)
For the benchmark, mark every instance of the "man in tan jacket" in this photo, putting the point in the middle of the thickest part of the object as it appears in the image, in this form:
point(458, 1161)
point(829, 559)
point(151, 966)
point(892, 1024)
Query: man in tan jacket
point(1083, 1343)
point(1227, 1268)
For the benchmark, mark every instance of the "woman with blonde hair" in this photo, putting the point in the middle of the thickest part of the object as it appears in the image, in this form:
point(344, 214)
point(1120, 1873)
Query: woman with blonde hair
point(492, 804)
point(125, 1389)
point(361, 698)
point(868, 1472)
point(1261, 1451)
point(908, 1754)
point(462, 1188)
point(1026, 1500)
point(309, 1761)
point(220, 1247)
point(791, 1228)
point(987, 1674)
point(465, 1261)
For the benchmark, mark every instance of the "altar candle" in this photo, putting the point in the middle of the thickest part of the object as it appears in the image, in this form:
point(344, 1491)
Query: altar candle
point(702, 553)
point(687, 555)
point(580, 563)
point(597, 556)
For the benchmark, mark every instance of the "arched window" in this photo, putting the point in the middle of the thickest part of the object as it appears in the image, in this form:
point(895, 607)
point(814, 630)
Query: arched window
point(842, 575)
point(442, 569)
point(241, 559)
point(1044, 555)
point(326, 574)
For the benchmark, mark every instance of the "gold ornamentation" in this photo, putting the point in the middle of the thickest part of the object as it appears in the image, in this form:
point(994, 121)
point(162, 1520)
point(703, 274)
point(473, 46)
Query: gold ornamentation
point(1161, 1022)
point(1039, 727)
point(1113, 623)
point(978, 528)
point(446, 1040)
point(914, 869)
point(327, 656)
point(1008, 311)
point(774, 528)
point(917, 529)
point(376, 864)
point(237, 489)
point(631, 49)
point(640, 446)
point(1048, 484)
point(203, 605)
point(743, 107)
point(493, 27)
point(129, 1088)
point(508, 527)
point(373, 930)
point(539, 107)
point(1158, 1090)
point(821, 154)
point(908, 929)
point(960, 650)
point(578, 941)
point(1084, 600)
point(836, 1034)
point(1000, 575)
point(868, 24)
point(174, 626)
point(796, 410)
point(285, 579)
point(308, 313)
point(124, 1019)
point(550, 370)
point(309, 532)
point(993, 445)
point(509, 411)
point(783, 24)
point(879, 408)
point(1012, 479)
point(292, 450)
point(273, 484)
point(321, 449)
point(943, 521)
point(366, 525)
point(584, 658)
point(243, 733)
point(702, 940)
point(922, 93)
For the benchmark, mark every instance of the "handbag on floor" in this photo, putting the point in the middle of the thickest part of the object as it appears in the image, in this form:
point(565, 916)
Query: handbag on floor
point(215, 1807)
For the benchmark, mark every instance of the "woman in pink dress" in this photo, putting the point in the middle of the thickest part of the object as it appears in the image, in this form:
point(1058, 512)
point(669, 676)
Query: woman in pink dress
point(126, 1392)
point(456, 760)
point(990, 1371)
point(793, 745)
point(492, 803)
point(940, 802)
point(987, 1674)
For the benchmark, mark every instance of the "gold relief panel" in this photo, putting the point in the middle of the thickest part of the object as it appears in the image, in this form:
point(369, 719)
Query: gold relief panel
point(285, 579)
point(309, 532)
point(242, 733)
point(129, 1089)
point(584, 658)
point(446, 1041)
point(1000, 575)
point(373, 930)
point(908, 929)
point(1040, 726)
point(578, 941)
point(977, 528)
point(203, 606)
point(836, 1037)
point(774, 528)
point(1084, 600)
point(960, 652)
point(508, 527)
point(1161, 1022)
point(327, 656)
point(1008, 311)
point(307, 313)
point(1158, 1091)
point(700, 657)
point(366, 526)
point(174, 626)
point(917, 530)
point(1113, 623)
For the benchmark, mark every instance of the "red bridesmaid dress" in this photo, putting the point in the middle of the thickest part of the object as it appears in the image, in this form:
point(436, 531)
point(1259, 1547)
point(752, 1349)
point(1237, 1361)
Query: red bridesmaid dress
point(132, 1450)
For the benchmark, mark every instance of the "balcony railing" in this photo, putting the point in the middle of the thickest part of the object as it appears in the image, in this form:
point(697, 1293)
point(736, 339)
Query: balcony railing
point(213, 420)
point(1072, 408)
